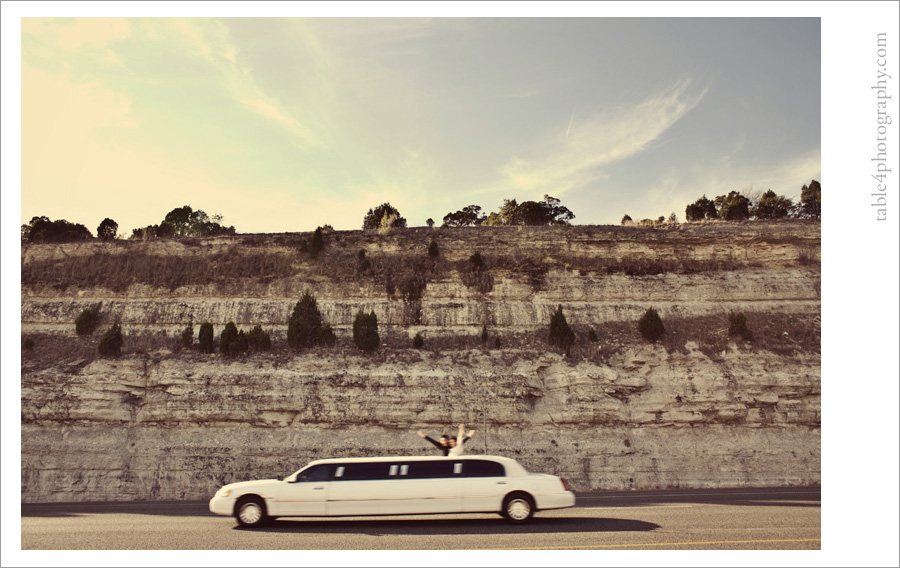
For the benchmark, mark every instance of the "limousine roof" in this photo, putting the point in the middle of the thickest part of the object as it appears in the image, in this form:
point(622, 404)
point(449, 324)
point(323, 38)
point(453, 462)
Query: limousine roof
point(512, 465)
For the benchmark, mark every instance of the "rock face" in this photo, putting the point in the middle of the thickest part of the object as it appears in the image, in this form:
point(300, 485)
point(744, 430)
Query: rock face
point(163, 423)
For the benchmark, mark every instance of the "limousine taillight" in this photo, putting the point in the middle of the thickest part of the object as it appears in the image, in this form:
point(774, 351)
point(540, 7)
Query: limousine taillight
point(565, 484)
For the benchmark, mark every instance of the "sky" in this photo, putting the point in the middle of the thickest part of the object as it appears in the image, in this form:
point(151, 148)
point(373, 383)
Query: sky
point(286, 124)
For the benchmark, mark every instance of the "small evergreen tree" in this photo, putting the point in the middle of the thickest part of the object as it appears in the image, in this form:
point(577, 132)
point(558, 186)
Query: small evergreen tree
point(111, 343)
point(258, 339)
point(187, 336)
point(316, 245)
point(304, 323)
point(228, 343)
point(476, 261)
point(651, 326)
point(88, 320)
point(626, 219)
point(592, 336)
point(365, 331)
point(241, 344)
point(811, 200)
point(561, 335)
point(484, 334)
point(418, 341)
point(433, 251)
point(364, 265)
point(326, 336)
point(205, 338)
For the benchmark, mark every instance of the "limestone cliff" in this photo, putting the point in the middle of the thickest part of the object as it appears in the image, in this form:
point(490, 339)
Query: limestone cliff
point(697, 409)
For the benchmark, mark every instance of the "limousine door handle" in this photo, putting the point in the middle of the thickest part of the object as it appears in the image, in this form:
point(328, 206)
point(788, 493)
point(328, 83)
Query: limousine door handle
point(318, 488)
point(501, 483)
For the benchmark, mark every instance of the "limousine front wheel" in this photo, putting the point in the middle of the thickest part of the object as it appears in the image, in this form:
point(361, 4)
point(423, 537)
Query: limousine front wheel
point(518, 508)
point(250, 512)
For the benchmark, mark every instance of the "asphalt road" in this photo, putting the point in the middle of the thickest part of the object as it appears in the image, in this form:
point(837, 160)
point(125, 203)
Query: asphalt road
point(720, 519)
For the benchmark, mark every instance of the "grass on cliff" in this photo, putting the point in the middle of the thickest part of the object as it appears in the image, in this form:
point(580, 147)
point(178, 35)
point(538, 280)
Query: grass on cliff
point(399, 263)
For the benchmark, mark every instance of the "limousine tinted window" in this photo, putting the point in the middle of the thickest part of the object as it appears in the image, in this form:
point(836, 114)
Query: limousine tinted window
point(483, 468)
point(362, 471)
point(430, 469)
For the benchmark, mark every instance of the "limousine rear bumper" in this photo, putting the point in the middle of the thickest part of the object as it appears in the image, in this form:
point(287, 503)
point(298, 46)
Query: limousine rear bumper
point(555, 500)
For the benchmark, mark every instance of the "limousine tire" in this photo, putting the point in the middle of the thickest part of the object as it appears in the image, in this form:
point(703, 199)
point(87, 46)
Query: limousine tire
point(518, 508)
point(250, 512)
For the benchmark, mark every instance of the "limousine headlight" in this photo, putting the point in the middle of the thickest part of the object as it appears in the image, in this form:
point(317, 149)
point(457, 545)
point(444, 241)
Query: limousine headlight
point(223, 493)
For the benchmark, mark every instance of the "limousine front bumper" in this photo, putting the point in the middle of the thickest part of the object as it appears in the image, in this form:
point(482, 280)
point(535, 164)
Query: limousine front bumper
point(222, 505)
point(555, 500)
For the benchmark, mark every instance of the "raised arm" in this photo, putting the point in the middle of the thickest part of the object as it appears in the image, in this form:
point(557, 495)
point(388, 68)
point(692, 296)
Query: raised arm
point(434, 442)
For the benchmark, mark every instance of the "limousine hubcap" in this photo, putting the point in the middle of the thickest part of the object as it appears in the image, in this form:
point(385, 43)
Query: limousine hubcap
point(518, 509)
point(251, 513)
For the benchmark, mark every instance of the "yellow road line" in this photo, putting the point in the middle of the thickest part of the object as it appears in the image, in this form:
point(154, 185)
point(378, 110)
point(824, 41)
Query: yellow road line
point(657, 544)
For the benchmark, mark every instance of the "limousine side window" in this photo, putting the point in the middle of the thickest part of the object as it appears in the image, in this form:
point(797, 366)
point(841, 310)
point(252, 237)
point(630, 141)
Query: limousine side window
point(430, 469)
point(362, 471)
point(483, 468)
point(314, 474)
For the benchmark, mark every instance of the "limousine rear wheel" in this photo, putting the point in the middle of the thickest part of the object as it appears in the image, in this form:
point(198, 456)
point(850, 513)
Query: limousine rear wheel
point(250, 512)
point(518, 507)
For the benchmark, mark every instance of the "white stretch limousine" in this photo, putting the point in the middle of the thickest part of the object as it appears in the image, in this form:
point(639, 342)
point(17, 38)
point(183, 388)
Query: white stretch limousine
point(396, 486)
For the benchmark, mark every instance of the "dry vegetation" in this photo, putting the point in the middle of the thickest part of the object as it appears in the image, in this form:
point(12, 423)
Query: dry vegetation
point(396, 258)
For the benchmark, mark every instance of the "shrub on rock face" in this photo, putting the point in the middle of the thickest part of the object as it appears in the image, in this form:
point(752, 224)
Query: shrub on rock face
point(316, 244)
point(592, 336)
point(651, 325)
point(365, 331)
point(258, 339)
point(88, 320)
point(326, 336)
point(205, 338)
point(232, 342)
point(305, 323)
point(561, 335)
point(433, 251)
point(187, 336)
point(418, 341)
point(737, 326)
point(364, 265)
point(111, 343)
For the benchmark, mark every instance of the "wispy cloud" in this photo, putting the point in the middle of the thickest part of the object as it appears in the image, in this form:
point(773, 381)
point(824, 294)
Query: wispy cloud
point(609, 136)
point(211, 40)
point(74, 34)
